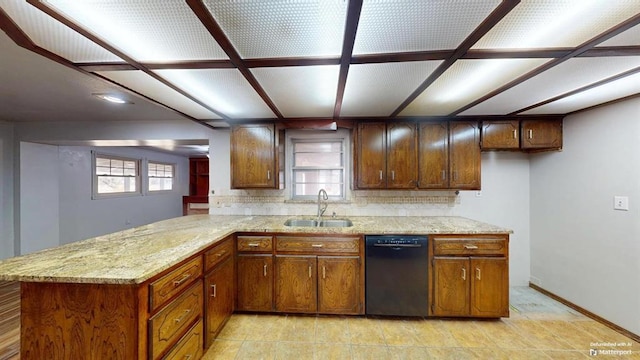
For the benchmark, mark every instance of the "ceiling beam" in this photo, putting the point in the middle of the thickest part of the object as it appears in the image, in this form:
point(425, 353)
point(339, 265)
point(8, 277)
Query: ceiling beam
point(581, 89)
point(350, 29)
point(496, 15)
point(62, 19)
point(579, 50)
point(21, 39)
point(201, 11)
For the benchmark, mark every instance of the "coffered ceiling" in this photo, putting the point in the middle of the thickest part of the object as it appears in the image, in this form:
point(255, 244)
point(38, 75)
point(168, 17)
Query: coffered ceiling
point(219, 62)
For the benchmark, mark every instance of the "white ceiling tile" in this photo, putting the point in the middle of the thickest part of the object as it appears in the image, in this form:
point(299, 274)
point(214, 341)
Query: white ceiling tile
point(417, 25)
point(145, 84)
point(557, 23)
point(260, 29)
point(301, 91)
point(49, 34)
point(378, 89)
point(466, 81)
point(627, 86)
point(147, 31)
point(627, 38)
point(225, 90)
point(570, 75)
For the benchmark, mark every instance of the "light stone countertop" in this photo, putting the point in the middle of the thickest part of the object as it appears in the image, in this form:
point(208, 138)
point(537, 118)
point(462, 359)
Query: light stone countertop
point(133, 256)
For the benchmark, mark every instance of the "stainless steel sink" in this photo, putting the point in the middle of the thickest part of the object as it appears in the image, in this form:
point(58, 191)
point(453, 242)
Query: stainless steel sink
point(323, 223)
point(300, 222)
point(336, 223)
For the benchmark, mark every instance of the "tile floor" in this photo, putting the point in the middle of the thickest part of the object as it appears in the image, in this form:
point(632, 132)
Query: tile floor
point(539, 328)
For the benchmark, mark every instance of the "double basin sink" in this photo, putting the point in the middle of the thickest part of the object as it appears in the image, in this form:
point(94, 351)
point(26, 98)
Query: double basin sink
point(321, 223)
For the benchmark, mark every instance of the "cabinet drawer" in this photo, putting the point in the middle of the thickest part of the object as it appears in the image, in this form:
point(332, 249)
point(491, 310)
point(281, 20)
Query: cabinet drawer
point(313, 244)
point(216, 255)
point(255, 243)
point(470, 246)
point(166, 326)
point(190, 346)
point(177, 280)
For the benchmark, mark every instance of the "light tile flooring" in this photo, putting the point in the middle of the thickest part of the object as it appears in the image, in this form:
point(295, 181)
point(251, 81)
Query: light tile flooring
point(539, 328)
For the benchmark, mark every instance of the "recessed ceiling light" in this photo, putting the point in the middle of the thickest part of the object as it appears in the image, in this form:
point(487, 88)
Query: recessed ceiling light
point(112, 98)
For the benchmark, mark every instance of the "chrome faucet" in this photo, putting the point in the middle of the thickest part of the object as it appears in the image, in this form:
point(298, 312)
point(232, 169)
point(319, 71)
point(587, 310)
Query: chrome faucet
point(322, 195)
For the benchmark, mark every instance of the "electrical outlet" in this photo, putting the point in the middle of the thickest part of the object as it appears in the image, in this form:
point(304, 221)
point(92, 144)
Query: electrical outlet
point(621, 203)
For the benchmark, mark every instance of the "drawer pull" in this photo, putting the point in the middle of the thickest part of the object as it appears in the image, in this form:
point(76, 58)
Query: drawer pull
point(470, 247)
point(253, 244)
point(214, 290)
point(177, 283)
point(464, 274)
point(186, 312)
point(478, 275)
point(187, 357)
point(221, 253)
point(317, 245)
point(264, 270)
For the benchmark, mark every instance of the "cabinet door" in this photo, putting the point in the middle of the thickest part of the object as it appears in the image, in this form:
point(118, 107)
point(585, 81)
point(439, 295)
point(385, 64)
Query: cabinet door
point(371, 153)
point(339, 284)
point(296, 284)
point(402, 164)
point(450, 286)
point(253, 157)
point(500, 135)
point(464, 154)
point(433, 155)
point(541, 134)
point(255, 282)
point(489, 287)
point(218, 298)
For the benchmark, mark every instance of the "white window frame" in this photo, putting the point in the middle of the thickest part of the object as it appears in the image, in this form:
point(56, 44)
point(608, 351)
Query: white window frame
point(292, 136)
point(149, 177)
point(94, 176)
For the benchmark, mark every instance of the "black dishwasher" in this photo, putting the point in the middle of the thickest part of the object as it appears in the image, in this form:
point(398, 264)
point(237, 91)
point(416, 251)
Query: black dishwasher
point(396, 270)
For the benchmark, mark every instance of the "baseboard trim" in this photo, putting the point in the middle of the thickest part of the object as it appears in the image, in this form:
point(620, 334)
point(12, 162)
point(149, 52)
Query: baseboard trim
point(587, 313)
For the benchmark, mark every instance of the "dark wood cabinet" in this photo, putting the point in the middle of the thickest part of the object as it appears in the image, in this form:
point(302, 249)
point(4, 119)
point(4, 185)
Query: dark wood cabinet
point(296, 284)
point(470, 276)
point(255, 282)
point(541, 134)
point(501, 135)
point(386, 155)
point(338, 284)
point(198, 176)
point(254, 151)
point(464, 155)
point(433, 155)
point(219, 295)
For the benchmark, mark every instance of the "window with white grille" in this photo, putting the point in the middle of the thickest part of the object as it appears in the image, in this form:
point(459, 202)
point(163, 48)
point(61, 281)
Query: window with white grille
point(160, 176)
point(114, 175)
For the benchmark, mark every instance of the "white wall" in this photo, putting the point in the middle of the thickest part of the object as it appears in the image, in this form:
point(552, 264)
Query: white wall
point(582, 249)
point(6, 191)
point(81, 217)
point(39, 197)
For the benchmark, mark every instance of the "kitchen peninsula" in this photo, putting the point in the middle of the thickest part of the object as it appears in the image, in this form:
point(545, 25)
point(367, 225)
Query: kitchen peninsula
point(139, 293)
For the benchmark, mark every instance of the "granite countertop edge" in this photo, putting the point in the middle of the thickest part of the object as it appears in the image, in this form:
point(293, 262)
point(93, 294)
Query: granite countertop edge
point(133, 256)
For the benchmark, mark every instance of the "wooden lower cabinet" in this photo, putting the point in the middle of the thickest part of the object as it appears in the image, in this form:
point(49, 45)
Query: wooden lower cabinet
point(296, 283)
point(451, 288)
point(219, 296)
point(489, 287)
point(255, 282)
point(338, 285)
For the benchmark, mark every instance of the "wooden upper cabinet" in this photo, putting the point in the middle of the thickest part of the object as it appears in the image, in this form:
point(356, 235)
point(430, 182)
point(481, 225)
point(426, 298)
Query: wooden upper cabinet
point(541, 134)
point(371, 163)
point(464, 155)
point(402, 164)
point(501, 135)
point(433, 155)
point(253, 157)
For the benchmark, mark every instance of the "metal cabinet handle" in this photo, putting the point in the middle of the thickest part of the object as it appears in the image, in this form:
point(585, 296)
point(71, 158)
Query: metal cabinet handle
point(253, 244)
point(470, 247)
point(393, 175)
point(268, 174)
point(464, 274)
point(264, 270)
point(186, 312)
point(222, 253)
point(530, 134)
point(214, 290)
point(515, 134)
point(317, 245)
point(177, 283)
point(380, 174)
point(444, 175)
point(309, 271)
point(478, 275)
point(324, 272)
